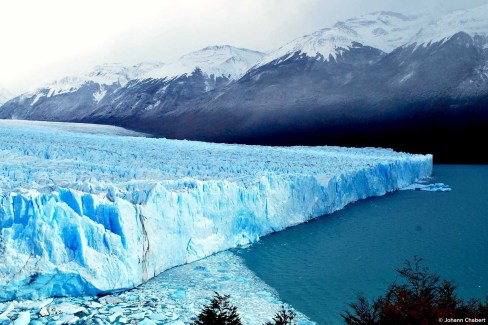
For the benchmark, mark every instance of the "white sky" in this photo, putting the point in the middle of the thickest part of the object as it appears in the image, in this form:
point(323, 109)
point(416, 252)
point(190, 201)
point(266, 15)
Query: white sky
point(46, 40)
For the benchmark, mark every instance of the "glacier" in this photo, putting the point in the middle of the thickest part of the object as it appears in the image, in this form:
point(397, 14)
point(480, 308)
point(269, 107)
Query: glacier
point(89, 212)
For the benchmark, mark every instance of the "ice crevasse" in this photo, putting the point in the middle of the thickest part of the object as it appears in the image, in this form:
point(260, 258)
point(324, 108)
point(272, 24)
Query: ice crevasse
point(96, 210)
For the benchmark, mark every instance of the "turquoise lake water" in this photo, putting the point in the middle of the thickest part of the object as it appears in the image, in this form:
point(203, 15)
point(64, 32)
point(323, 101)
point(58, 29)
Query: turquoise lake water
point(320, 266)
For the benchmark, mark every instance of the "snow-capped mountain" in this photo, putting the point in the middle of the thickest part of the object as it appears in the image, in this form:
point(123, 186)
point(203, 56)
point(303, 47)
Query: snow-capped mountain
point(362, 82)
point(225, 62)
point(105, 75)
point(382, 30)
point(473, 22)
point(99, 79)
point(123, 91)
point(5, 95)
point(385, 31)
point(221, 61)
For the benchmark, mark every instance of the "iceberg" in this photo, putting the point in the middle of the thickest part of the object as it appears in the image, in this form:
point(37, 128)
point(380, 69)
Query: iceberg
point(83, 212)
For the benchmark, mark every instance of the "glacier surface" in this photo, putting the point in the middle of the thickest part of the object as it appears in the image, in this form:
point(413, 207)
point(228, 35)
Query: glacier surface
point(87, 213)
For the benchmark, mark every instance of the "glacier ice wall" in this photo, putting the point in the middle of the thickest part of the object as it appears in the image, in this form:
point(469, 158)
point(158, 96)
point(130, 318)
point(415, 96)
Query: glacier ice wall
point(85, 213)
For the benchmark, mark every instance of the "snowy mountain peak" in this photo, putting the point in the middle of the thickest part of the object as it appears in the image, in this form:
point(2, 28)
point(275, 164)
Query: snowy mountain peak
point(216, 48)
point(386, 17)
point(112, 73)
point(137, 71)
point(109, 73)
point(473, 22)
point(219, 60)
point(383, 30)
point(105, 75)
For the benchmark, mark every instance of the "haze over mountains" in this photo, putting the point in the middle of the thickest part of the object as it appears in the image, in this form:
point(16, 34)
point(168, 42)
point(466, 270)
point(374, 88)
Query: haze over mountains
point(384, 79)
point(5, 95)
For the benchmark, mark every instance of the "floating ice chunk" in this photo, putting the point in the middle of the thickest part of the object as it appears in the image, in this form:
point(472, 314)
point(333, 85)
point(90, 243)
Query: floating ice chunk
point(22, 319)
point(435, 187)
point(113, 317)
point(32, 304)
point(67, 308)
point(43, 312)
point(7, 310)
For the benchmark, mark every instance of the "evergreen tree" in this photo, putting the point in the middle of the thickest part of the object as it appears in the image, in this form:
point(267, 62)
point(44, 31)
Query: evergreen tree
point(218, 312)
point(283, 317)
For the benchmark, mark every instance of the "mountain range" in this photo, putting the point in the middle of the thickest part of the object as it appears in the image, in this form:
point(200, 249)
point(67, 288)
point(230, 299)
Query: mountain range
point(413, 83)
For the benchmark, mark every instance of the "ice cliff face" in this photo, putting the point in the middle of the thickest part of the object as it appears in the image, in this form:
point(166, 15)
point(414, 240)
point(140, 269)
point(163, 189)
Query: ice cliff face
point(84, 213)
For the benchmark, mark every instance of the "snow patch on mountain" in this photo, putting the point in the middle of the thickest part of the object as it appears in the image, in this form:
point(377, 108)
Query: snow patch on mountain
point(221, 61)
point(98, 96)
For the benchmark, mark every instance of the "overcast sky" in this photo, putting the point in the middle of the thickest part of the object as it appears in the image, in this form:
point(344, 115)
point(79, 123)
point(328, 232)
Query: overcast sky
point(45, 40)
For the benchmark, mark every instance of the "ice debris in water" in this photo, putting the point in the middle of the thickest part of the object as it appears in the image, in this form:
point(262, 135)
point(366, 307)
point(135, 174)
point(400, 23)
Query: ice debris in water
point(423, 185)
point(174, 297)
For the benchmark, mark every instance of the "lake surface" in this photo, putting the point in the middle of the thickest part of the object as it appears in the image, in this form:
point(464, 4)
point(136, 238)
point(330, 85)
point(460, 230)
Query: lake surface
point(320, 266)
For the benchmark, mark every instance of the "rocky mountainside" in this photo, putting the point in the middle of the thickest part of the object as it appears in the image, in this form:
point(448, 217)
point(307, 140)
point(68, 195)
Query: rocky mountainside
point(385, 79)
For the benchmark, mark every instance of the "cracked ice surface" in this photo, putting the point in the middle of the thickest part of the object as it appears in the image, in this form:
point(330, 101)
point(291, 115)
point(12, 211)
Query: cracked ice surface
point(174, 297)
point(84, 212)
